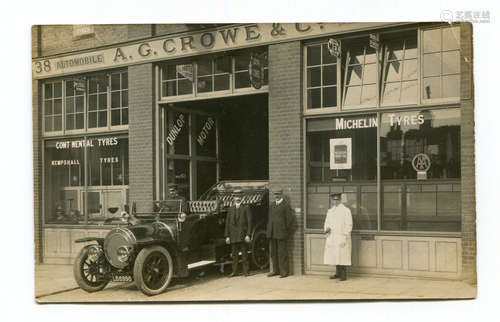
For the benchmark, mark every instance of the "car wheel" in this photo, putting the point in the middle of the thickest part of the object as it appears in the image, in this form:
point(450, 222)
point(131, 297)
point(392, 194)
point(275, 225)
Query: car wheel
point(260, 250)
point(153, 270)
point(89, 272)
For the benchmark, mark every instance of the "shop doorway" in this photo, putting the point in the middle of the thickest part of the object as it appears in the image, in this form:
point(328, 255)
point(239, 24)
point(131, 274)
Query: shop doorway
point(217, 139)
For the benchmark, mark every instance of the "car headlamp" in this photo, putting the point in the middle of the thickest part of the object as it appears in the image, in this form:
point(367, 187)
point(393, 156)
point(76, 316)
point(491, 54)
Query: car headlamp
point(182, 217)
point(94, 252)
point(123, 253)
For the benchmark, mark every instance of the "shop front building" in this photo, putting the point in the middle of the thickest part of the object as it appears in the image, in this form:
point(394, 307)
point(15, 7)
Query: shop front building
point(380, 112)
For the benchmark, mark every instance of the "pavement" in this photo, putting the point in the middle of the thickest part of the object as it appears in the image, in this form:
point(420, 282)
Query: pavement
point(55, 284)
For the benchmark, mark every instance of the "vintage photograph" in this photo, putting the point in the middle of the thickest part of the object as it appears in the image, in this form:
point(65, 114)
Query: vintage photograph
point(253, 162)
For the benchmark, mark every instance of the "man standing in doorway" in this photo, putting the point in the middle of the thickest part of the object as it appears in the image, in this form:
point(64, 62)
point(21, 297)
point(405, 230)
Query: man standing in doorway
point(279, 228)
point(338, 227)
point(173, 194)
point(238, 228)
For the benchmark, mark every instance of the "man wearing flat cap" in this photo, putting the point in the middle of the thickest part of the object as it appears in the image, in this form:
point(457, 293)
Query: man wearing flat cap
point(173, 194)
point(338, 227)
point(279, 228)
point(237, 233)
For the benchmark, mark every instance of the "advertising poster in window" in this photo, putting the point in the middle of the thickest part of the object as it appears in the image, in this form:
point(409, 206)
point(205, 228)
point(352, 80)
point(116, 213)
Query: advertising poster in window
point(340, 154)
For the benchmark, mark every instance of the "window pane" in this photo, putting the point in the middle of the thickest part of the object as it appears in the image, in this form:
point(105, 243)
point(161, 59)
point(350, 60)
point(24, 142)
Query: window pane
point(370, 74)
point(371, 56)
point(124, 80)
point(313, 55)
point(451, 86)
point(92, 121)
point(206, 176)
point(177, 125)
point(221, 82)
point(432, 64)
point(396, 51)
point(92, 85)
point(57, 106)
point(313, 77)
point(432, 87)
point(393, 71)
point(242, 80)
point(369, 95)
point(79, 104)
point(63, 184)
point(411, 47)
point(48, 90)
point(79, 121)
point(92, 102)
point(354, 74)
point(125, 98)
point(102, 118)
point(70, 121)
point(222, 65)
point(170, 88)
point(410, 69)
point(314, 98)
point(103, 101)
point(48, 108)
point(432, 40)
point(70, 105)
point(70, 89)
point(357, 55)
point(185, 86)
point(329, 96)
point(352, 95)
point(58, 123)
point(48, 123)
point(57, 89)
point(125, 116)
point(169, 72)
point(330, 75)
point(115, 82)
point(451, 38)
point(409, 92)
point(115, 99)
point(205, 84)
point(178, 173)
point(391, 94)
point(115, 117)
point(451, 62)
point(241, 61)
point(205, 66)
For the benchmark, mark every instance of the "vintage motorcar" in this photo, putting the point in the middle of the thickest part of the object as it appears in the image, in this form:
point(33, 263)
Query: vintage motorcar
point(152, 247)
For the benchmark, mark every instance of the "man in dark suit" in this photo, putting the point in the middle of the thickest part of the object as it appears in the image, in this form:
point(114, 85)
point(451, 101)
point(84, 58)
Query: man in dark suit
point(238, 225)
point(279, 228)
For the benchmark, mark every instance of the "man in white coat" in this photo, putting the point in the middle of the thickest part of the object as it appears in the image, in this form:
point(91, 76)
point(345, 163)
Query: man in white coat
point(338, 227)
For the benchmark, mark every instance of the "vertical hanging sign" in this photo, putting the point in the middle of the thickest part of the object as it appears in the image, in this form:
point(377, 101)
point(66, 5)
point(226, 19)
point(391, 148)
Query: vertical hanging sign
point(256, 70)
point(340, 154)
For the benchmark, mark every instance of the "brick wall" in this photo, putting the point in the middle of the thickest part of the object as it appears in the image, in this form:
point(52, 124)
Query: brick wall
point(468, 157)
point(285, 135)
point(141, 135)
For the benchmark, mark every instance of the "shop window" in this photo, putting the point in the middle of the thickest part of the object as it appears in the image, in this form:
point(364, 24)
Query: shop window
point(321, 77)
point(420, 170)
point(400, 69)
point(205, 135)
point(178, 173)
point(177, 133)
point(52, 103)
point(68, 197)
point(361, 73)
point(119, 99)
point(206, 175)
point(342, 157)
point(213, 74)
point(441, 63)
point(177, 79)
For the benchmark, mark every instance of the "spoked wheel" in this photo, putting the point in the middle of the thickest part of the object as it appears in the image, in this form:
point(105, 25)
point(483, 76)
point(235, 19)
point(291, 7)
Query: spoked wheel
point(90, 271)
point(260, 250)
point(153, 270)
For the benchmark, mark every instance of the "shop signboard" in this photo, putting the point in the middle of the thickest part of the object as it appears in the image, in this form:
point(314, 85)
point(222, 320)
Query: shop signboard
point(340, 154)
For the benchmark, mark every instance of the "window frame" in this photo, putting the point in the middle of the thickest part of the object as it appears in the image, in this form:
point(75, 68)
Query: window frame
point(64, 83)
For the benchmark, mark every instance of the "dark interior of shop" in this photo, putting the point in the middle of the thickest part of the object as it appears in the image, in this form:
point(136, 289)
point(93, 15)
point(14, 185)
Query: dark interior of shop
point(243, 135)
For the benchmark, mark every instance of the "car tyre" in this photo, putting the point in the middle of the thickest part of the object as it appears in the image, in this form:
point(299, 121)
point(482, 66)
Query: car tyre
point(260, 250)
point(90, 274)
point(153, 270)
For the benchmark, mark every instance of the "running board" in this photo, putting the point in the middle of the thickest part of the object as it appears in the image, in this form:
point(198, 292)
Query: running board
point(200, 264)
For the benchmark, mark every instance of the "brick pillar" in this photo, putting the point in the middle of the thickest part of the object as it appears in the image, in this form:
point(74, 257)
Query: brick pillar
point(285, 136)
point(37, 150)
point(141, 135)
point(467, 157)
